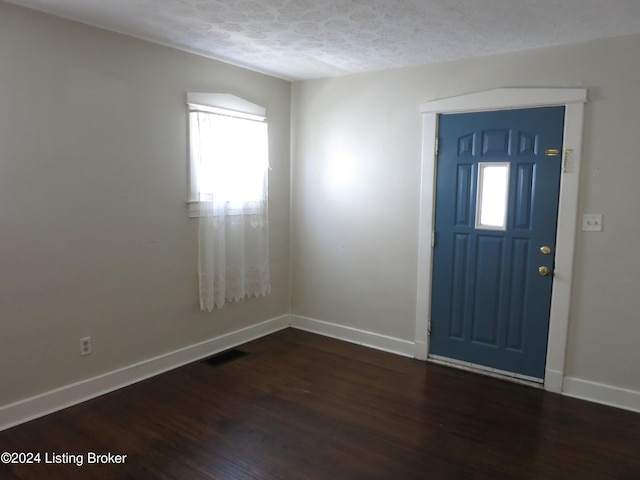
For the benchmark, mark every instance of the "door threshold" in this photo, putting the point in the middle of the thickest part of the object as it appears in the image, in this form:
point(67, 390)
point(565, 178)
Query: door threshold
point(487, 371)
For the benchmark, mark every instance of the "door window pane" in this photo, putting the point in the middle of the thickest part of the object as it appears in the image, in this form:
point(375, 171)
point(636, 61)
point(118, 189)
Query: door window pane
point(493, 195)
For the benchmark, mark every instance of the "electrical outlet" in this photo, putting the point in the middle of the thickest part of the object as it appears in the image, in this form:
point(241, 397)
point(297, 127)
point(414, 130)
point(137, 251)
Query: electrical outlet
point(85, 346)
point(592, 222)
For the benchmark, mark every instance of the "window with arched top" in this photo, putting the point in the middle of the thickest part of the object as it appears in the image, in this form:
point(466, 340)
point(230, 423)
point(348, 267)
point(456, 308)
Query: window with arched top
point(228, 183)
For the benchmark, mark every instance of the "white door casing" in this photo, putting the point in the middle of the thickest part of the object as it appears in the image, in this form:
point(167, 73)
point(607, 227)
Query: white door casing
point(573, 99)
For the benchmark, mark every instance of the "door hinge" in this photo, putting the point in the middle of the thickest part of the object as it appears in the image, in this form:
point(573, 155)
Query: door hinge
point(437, 146)
point(429, 325)
point(433, 239)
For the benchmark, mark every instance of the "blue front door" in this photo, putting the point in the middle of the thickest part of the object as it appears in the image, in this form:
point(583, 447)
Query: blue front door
point(497, 191)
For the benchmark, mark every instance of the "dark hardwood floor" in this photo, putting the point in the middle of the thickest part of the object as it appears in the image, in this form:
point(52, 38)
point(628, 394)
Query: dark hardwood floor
point(302, 406)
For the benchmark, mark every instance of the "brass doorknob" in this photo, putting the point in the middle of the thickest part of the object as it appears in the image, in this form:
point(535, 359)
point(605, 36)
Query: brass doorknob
point(544, 271)
point(545, 250)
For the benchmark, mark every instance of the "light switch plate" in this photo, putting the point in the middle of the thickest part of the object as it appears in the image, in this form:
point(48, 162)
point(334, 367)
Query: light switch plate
point(592, 222)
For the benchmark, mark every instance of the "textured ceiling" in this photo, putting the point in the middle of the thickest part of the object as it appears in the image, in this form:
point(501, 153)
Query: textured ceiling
point(305, 39)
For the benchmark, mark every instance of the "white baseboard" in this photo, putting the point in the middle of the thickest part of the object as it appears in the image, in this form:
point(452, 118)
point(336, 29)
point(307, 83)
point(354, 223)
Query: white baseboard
point(601, 393)
point(354, 335)
point(60, 398)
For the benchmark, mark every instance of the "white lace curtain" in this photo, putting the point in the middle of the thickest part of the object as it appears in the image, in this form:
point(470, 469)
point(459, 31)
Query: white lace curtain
point(231, 156)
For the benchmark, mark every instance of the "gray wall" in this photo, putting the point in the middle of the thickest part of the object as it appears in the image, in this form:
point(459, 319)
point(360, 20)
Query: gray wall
point(356, 179)
point(94, 234)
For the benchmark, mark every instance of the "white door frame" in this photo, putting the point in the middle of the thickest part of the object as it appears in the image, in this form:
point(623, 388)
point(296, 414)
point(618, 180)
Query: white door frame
point(573, 99)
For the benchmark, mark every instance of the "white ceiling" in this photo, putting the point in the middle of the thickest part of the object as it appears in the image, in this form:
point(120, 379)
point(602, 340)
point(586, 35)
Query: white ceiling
point(305, 39)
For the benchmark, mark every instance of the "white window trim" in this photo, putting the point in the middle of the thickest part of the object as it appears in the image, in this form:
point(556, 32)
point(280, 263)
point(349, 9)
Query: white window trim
point(573, 99)
point(224, 103)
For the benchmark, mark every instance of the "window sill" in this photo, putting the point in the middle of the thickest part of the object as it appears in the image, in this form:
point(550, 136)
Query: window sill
point(194, 209)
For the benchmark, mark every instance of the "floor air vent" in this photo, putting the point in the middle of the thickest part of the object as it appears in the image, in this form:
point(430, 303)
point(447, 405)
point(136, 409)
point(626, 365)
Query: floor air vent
point(225, 357)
